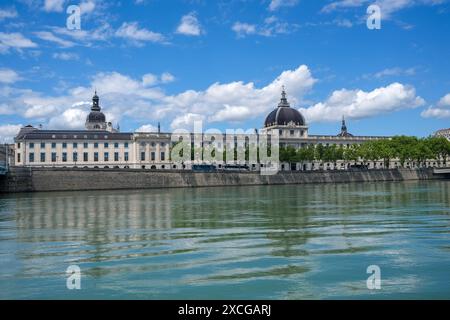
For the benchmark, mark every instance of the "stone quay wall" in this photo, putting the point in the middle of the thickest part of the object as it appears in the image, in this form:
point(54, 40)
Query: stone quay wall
point(21, 179)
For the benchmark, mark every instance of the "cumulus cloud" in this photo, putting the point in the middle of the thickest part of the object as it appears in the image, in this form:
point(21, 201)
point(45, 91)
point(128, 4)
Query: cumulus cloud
point(151, 79)
point(186, 121)
point(143, 99)
point(54, 5)
point(167, 77)
point(189, 25)
point(147, 128)
point(8, 132)
point(72, 118)
point(8, 76)
point(357, 104)
point(14, 40)
point(132, 32)
point(122, 96)
point(440, 111)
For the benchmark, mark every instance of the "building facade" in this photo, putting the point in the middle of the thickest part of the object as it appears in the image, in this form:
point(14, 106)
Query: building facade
point(102, 146)
point(443, 133)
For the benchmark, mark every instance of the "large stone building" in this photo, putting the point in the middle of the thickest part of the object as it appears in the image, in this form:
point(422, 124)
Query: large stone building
point(102, 146)
point(443, 133)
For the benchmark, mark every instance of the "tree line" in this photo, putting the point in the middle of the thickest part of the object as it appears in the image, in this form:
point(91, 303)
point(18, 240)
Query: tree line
point(402, 148)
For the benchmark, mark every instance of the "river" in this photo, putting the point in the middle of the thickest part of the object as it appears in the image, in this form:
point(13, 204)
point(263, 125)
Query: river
point(257, 242)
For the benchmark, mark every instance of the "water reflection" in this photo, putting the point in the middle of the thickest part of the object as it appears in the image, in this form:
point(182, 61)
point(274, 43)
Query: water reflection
point(266, 241)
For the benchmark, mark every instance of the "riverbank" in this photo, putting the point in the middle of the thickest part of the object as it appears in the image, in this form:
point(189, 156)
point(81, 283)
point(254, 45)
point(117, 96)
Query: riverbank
point(71, 179)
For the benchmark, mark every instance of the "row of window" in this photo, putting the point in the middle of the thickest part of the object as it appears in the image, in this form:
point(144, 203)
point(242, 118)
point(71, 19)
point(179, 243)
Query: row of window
point(75, 158)
point(153, 144)
point(153, 156)
point(75, 145)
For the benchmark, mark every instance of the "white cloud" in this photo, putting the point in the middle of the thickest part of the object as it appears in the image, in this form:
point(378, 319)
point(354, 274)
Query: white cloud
point(48, 36)
point(86, 37)
point(8, 132)
point(14, 40)
point(132, 32)
point(72, 118)
point(66, 56)
point(442, 110)
point(147, 128)
point(7, 13)
point(395, 72)
point(186, 121)
point(357, 104)
point(270, 27)
point(232, 114)
point(276, 4)
point(189, 25)
point(8, 76)
point(87, 7)
point(167, 77)
point(445, 101)
point(39, 111)
point(54, 5)
point(149, 79)
point(243, 29)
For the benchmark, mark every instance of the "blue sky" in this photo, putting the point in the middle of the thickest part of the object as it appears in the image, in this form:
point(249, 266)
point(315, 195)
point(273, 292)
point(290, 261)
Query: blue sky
point(224, 62)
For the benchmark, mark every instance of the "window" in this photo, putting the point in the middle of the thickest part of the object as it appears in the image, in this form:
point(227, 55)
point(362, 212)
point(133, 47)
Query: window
point(64, 156)
point(85, 145)
point(153, 144)
point(106, 145)
point(126, 144)
point(106, 156)
point(64, 145)
point(42, 145)
point(142, 156)
point(126, 156)
point(75, 145)
point(153, 156)
point(95, 145)
point(116, 156)
point(31, 156)
point(31, 145)
point(18, 157)
point(75, 157)
point(163, 156)
point(281, 132)
point(116, 145)
point(163, 144)
point(85, 156)
point(95, 156)
point(18, 145)
point(42, 156)
point(53, 156)
point(292, 132)
point(53, 145)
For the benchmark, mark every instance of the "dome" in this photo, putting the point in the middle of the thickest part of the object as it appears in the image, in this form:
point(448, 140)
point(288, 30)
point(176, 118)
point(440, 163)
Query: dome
point(96, 116)
point(284, 114)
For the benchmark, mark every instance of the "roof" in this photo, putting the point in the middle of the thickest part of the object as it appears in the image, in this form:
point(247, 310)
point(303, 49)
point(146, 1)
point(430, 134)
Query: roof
point(72, 135)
